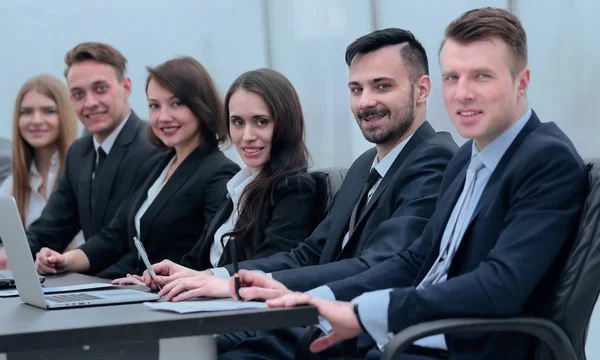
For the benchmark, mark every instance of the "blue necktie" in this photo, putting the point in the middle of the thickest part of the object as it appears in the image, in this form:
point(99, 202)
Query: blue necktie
point(439, 270)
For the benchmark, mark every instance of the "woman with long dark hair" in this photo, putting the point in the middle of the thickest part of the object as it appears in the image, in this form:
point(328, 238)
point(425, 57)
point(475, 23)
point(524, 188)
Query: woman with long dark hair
point(268, 205)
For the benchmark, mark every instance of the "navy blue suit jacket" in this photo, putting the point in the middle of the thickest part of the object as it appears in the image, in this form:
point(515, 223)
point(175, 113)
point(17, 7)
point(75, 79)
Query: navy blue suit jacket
point(507, 261)
point(405, 197)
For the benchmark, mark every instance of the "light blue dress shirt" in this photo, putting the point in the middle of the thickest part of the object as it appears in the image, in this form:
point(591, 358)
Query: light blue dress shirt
point(376, 322)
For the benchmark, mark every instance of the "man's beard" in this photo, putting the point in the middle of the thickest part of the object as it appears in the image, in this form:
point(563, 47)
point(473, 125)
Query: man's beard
point(398, 126)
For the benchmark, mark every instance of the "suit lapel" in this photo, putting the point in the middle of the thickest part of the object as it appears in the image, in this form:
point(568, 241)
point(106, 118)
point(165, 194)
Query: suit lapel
point(141, 195)
point(105, 180)
point(85, 185)
point(340, 222)
point(489, 191)
point(423, 132)
point(185, 170)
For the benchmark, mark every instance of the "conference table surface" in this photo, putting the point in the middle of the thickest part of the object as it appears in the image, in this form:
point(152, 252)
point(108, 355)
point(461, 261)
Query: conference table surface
point(25, 328)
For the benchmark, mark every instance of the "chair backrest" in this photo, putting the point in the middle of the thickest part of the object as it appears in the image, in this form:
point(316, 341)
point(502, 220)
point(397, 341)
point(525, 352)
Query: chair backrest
point(578, 285)
point(329, 181)
point(5, 158)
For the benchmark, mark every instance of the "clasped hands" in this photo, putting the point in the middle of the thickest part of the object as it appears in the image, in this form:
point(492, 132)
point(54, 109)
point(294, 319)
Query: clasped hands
point(180, 283)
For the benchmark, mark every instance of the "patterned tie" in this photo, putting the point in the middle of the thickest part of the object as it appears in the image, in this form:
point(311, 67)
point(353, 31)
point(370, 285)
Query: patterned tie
point(439, 270)
point(362, 199)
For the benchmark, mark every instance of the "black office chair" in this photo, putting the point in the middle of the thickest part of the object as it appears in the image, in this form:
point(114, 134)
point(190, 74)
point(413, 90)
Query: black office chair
point(563, 325)
point(329, 181)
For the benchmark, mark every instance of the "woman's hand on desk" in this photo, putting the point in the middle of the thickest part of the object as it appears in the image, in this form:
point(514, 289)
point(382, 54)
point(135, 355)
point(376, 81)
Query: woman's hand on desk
point(49, 262)
point(202, 285)
point(257, 286)
point(168, 271)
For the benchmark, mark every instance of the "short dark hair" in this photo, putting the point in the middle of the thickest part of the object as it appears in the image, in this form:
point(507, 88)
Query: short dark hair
point(289, 154)
point(413, 53)
point(189, 81)
point(99, 52)
point(484, 23)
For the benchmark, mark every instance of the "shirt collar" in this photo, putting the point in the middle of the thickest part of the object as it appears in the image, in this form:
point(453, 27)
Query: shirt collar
point(238, 183)
point(382, 166)
point(35, 178)
point(491, 154)
point(110, 139)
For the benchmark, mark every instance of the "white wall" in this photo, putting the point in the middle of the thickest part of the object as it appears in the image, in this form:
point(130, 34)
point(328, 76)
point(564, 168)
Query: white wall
point(305, 40)
point(226, 36)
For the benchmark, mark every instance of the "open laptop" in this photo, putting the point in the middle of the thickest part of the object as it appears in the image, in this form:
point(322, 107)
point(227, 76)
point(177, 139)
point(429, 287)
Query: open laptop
point(26, 277)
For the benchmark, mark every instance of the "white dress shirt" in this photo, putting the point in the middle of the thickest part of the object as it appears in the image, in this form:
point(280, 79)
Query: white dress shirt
point(37, 201)
point(153, 192)
point(235, 188)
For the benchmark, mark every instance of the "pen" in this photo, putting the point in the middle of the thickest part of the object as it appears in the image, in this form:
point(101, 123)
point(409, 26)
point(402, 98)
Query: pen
point(234, 261)
point(142, 252)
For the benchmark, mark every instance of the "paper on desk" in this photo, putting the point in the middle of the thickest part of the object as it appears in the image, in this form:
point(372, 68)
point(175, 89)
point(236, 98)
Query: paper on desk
point(186, 307)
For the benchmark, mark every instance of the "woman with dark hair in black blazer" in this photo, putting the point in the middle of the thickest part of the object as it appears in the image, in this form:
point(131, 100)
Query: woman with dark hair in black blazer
point(269, 203)
point(180, 189)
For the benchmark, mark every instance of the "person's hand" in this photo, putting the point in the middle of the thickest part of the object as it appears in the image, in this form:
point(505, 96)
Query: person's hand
point(3, 259)
point(168, 271)
point(50, 262)
point(195, 286)
point(129, 280)
point(257, 286)
point(339, 314)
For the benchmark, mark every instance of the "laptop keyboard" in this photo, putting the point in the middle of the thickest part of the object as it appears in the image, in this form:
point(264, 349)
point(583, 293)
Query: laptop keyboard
point(63, 298)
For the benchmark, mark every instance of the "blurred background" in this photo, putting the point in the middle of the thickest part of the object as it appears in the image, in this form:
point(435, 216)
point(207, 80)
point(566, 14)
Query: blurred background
point(305, 40)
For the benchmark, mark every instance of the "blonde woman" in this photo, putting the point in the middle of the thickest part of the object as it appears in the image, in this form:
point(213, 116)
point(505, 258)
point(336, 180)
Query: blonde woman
point(44, 126)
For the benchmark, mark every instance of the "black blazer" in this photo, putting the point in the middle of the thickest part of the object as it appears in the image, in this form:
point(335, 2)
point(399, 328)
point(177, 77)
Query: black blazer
point(406, 195)
point(172, 223)
point(526, 216)
point(284, 221)
point(69, 207)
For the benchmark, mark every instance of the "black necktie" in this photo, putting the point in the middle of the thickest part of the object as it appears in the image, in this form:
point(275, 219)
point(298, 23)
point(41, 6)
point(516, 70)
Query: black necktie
point(362, 200)
point(101, 156)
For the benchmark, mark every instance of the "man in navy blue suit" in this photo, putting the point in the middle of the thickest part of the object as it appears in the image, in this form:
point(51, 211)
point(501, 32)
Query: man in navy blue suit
point(507, 214)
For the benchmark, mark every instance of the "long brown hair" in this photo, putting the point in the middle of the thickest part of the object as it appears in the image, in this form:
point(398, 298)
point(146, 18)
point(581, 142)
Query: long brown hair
point(289, 154)
point(23, 152)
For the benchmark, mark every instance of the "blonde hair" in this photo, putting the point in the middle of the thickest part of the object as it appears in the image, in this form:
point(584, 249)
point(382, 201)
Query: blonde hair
point(22, 152)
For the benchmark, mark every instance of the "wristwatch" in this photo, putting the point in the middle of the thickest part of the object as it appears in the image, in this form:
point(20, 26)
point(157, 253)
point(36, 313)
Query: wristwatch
point(355, 308)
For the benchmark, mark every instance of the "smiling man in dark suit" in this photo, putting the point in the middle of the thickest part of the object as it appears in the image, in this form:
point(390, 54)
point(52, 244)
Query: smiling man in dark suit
point(100, 167)
point(506, 216)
